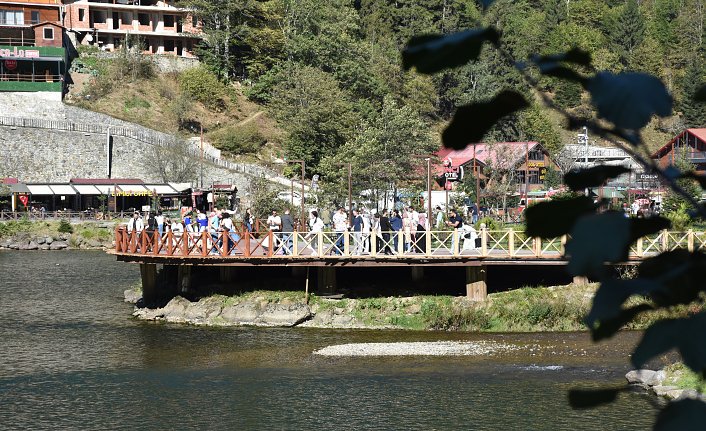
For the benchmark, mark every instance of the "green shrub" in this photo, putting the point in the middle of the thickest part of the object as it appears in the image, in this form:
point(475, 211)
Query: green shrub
point(490, 223)
point(239, 139)
point(202, 85)
point(136, 102)
point(65, 226)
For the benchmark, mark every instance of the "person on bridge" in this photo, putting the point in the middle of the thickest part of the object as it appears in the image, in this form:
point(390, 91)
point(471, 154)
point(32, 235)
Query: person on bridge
point(385, 230)
point(287, 231)
point(456, 222)
point(274, 223)
point(357, 233)
point(396, 224)
point(316, 225)
point(340, 224)
point(135, 224)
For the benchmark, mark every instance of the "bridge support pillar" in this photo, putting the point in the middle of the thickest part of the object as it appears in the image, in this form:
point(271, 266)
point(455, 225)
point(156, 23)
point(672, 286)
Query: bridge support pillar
point(476, 285)
point(417, 273)
point(184, 278)
point(580, 280)
point(326, 280)
point(227, 274)
point(148, 272)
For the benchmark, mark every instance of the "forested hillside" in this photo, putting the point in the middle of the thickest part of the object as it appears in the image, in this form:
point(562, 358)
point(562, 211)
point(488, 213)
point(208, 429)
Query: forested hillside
point(329, 71)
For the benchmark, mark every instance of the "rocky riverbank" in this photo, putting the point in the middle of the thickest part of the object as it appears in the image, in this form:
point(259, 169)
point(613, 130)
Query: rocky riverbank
point(26, 235)
point(536, 309)
point(672, 382)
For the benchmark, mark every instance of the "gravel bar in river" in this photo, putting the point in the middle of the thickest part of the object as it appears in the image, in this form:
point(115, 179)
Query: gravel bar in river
point(438, 348)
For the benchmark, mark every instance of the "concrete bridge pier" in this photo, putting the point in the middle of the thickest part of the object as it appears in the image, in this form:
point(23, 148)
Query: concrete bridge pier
point(417, 273)
point(183, 278)
point(476, 283)
point(326, 280)
point(148, 272)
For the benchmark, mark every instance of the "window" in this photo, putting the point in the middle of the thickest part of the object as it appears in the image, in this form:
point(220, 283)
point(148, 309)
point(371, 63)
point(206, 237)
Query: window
point(12, 17)
point(34, 17)
point(535, 155)
point(143, 18)
point(48, 33)
point(82, 14)
point(99, 16)
point(169, 20)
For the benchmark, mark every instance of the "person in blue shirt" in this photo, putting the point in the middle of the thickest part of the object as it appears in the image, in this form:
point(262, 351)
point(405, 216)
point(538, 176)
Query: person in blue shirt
point(357, 225)
point(396, 223)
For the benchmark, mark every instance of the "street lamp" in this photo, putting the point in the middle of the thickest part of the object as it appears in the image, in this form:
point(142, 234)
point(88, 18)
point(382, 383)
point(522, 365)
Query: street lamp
point(428, 160)
point(303, 165)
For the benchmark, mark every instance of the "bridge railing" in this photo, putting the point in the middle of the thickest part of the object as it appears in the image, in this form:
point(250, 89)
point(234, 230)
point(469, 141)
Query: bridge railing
point(509, 243)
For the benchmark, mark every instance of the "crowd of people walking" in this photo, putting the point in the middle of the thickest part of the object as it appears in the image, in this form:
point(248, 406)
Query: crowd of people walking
point(390, 232)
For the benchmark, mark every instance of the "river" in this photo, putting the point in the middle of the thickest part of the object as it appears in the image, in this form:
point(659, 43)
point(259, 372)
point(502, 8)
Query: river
point(71, 357)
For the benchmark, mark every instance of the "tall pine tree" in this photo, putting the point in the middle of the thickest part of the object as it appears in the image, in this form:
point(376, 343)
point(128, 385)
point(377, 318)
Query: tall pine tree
point(628, 31)
point(694, 112)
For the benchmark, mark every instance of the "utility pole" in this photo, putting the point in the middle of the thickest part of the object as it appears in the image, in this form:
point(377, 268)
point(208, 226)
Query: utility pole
point(201, 155)
point(477, 175)
point(303, 165)
point(350, 194)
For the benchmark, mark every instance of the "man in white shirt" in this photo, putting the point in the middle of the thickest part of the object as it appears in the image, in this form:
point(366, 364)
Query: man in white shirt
point(274, 222)
point(340, 224)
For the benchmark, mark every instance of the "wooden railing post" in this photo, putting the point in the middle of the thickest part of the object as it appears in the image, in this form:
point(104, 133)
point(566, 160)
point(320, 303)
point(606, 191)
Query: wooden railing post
point(320, 243)
point(170, 242)
point(455, 242)
point(511, 242)
point(665, 241)
point(204, 244)
point(143, 241)
point(400, 242)
point(118, 239)
point(373, 243)
point(690, 240)
point(346, 243)
point(247, 243)
point(484, 241)
point(295, 243)
point(271, 242)
point(537, 247)
point(427, 239)
point(639, 247)
point(155, 242)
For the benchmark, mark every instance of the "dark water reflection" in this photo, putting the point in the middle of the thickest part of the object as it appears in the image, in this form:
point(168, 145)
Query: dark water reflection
point(71, 358)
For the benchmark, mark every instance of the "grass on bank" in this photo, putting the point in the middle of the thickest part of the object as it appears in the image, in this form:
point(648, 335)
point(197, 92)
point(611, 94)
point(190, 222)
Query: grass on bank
point(683, 378)
point(87, 231)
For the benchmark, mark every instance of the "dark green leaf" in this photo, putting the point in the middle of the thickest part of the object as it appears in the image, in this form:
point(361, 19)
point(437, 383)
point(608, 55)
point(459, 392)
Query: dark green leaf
point(640, 227)
point(563, 72)
point(593, 177)
point(597, 239)
point(629, 100)
point(701, 179)
point(680, 273)
point(556, 218)
point(583, 399)
point(683, 415)
point(433, 53)
point(610, 296)
point(574, 56)
point(472, 122)
point(485, 4)
point(700, 95)
point(686, 335)
point(606, 328)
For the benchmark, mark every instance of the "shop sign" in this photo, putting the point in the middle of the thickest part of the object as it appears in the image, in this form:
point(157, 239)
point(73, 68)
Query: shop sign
point(10, 64)
point(24, 199)
point(19, 53)
point(535, 164)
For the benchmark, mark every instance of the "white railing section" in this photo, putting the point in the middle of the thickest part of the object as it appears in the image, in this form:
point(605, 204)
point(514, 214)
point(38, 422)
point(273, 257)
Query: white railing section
point(498, 244)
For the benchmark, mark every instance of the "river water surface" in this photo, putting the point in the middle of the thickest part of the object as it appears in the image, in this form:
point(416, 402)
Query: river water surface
point(71, 357)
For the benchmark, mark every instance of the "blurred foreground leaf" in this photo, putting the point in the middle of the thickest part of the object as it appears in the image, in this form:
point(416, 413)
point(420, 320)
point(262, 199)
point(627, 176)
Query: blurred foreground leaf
point(595, 240)
point(583, 399)
point(687, 335)
point(683, 415)
point(472, 122)
point(553, 219)
point(629, 100)
point(680, 273)
point(434, 53)
point(593, 177)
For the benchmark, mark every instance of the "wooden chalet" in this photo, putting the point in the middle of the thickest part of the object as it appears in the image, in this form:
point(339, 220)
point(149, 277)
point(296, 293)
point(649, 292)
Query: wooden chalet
point(689, 144)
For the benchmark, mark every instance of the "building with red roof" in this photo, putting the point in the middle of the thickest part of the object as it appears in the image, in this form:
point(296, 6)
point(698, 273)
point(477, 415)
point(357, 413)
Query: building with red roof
point(689, 144)
point(525, 158)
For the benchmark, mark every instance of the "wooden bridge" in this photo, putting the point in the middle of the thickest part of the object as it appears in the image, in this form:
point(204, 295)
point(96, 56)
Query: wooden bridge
point(326, 251)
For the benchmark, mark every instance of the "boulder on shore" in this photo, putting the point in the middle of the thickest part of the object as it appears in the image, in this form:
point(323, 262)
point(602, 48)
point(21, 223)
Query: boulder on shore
point(58, 245)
